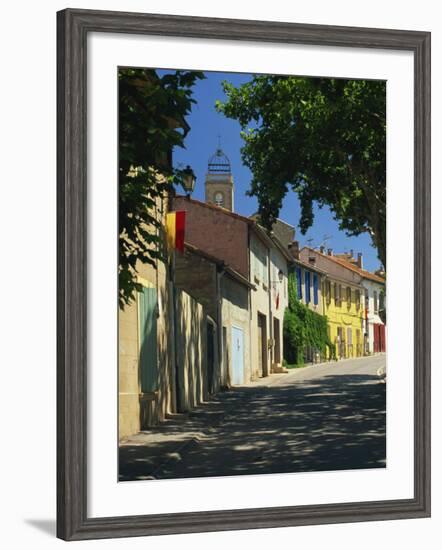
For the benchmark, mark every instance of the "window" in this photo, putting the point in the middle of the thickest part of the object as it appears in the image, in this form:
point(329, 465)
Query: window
point(265, 273)
point(328, 292)
point(299, 282)
point(255, 265)
point(259, 262)
point(315, 289)
point(381, 300)
point(358, 299)
point(219, 199)
point(375, 301)
point(307, 287)
point(338, 294)
point(348, 297)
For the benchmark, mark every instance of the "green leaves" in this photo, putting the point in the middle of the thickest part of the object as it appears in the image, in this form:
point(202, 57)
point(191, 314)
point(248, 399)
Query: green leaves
point(324, 138)
point(152, 112)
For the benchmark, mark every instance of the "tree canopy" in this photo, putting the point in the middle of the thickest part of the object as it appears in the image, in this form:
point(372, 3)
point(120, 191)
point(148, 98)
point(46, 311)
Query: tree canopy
point(151, 122)
point(325, 139)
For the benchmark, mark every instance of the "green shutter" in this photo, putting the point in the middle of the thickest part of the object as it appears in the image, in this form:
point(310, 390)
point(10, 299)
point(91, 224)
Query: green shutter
point(148, 339)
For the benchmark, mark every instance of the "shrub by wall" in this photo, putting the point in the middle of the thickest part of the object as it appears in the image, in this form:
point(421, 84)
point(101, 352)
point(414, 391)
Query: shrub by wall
point(303, 329)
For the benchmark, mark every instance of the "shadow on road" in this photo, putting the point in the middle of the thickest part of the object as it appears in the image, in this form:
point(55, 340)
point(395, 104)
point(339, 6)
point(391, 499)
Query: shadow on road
point(335, 422)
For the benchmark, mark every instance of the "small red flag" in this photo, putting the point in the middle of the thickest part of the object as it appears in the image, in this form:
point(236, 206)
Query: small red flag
point(175, 224)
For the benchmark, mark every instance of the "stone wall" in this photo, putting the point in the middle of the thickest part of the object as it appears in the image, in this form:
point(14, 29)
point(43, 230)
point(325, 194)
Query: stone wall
point(188, 336)
point(197, 276)
point(191, 346)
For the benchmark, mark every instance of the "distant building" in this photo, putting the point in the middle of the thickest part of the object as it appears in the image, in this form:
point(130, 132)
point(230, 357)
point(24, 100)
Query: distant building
point(309, 278)
point(219, 181)
point(343, 304)
point(309, 285)
point(374, 301)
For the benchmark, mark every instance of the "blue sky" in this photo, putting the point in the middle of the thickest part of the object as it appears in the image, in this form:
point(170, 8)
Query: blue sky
point(201, 142)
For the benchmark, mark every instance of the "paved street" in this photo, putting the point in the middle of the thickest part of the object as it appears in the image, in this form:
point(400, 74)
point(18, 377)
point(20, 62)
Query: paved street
point(323, 417)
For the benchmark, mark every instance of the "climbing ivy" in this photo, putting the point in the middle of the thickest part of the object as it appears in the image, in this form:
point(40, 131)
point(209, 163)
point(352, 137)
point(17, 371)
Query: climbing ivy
point(303, 328)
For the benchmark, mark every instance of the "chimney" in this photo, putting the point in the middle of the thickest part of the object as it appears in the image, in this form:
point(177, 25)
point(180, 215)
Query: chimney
point(351, 254)
point(329, 251)
point(380, 272)
point(322, 249)
point(359, 262)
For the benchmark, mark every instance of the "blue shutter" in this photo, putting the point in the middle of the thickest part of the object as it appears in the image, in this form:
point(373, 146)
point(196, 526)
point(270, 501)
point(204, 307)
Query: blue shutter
point(299, 282)
point(307, 287)
point(148, 339)
point(315, 289)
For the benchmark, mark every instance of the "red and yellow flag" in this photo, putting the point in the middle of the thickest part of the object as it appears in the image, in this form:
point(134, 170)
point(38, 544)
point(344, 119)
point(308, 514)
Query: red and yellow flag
point(175, 223)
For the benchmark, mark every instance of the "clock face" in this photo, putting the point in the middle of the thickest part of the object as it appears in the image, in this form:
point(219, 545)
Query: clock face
point(219, 199)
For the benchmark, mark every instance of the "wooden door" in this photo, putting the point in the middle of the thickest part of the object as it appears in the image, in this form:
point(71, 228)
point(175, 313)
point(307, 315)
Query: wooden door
point(277, 339)
point(262, 345)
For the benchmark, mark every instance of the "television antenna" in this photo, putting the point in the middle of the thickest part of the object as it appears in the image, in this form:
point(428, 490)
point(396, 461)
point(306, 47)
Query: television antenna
point(325, 240)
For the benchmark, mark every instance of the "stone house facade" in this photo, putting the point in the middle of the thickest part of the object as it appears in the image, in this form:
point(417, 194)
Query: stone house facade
point(343, 304)
point(224, 294)
point(168, 353)
point(248, 250)
point(374, 302)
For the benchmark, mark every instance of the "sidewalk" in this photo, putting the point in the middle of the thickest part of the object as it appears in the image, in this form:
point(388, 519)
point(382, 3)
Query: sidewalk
point(167, 441)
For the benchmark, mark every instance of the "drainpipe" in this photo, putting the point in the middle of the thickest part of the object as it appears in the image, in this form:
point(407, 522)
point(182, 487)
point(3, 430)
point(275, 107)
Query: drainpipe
point(323, 299)
point(178, 403)
point(222, 374)
point(269, 367)
point(172, 265)
point(249, 298)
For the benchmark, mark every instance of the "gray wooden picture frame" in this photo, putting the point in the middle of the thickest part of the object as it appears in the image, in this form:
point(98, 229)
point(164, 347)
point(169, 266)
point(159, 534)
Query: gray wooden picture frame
point(73, 27)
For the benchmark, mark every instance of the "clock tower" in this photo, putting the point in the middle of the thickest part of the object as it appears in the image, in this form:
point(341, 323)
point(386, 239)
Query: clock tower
point(219, 181)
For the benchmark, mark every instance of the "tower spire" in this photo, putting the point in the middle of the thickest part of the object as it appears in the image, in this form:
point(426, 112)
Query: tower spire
point(219, 180)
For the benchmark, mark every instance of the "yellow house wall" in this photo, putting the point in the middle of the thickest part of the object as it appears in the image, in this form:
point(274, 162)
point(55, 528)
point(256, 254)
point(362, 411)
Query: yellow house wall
point(345, 316)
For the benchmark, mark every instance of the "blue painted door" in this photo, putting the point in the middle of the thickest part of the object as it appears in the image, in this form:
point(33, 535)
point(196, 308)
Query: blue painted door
point(237, 356)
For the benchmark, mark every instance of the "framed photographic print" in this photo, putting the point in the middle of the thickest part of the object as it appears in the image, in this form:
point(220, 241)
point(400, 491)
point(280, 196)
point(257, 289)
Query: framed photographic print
point(243, 274)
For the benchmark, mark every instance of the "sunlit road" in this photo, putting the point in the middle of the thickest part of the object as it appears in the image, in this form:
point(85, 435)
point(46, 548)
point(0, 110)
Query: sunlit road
point(325, 417)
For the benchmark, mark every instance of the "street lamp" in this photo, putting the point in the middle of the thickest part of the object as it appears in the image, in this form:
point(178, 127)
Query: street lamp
point(280, 278)
point(189, 180)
